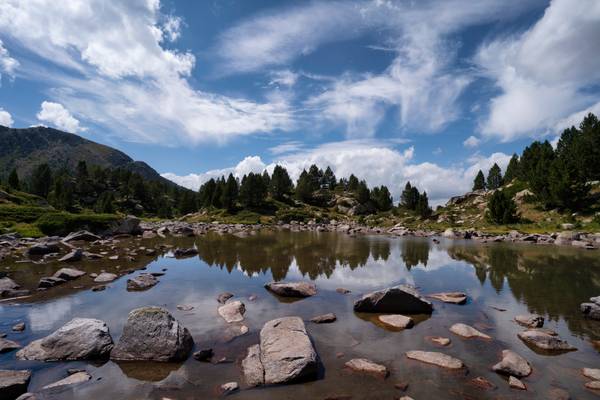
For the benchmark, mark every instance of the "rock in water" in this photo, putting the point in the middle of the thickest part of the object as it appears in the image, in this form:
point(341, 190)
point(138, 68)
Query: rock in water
point(105, 277)
point(229, 387)
point(83, 236)
point(79, 339)
point(450, 297)
point(141, 282)
point(152, 334)
point(13, 383)
point(591, 373)
point(516, 383)
point(41, 249)
point(223, 297)
point(397, 321)
point(434, 358)
point(545, 340)
point(530, 320)
point(74, 255)
point(292, 289)
point(129, 225)
point(232, 312)
point(592, 309)
point(512, 364)
point(400, 299)
point(78, 377)
point(185, 253)
point(68, 274)
point(8, 345)
point(367, 366)
point(324, 319)
point(468, 332)
point(285, 354)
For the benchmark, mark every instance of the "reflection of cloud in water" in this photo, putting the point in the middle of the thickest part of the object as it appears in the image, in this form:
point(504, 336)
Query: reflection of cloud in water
point(46, 316)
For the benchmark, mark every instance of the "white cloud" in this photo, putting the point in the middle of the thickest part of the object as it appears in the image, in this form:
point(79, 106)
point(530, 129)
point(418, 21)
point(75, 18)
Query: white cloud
point(5, 118)
point(7, 63)
point(58, 116)
point(471, 142)
point(371, 160)
point(284, 78)
point(116, 72)
point(543, 73)
point(287, 147)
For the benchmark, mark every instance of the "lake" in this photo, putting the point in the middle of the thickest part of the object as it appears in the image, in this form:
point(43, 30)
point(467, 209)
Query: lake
point(502, 280)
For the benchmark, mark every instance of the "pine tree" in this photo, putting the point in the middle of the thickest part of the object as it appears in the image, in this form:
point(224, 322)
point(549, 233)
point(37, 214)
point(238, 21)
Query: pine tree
point(502, 208)
point(266, 178)
point(105, 203)
point(512, 170)
point(423, 208)
point(13, 180)
point(382, 198)
point(494, 179)
point(41, 180)
point(304, 190)
point(409, 197)
point(479, 182)
point(329, 180)
point(362, 193)
point(253, 190)
point(316, 177)
point(187, 202)
point(230, 193)
point(217, 196)
point(206, 192)
point(352, 183)
point(281, 183)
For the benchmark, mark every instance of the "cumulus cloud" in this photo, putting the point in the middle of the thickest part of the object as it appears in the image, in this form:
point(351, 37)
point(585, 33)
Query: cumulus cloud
point(116, 72)
point(544, 73)
point(471, 142)
point(58, 116)
point(5, 118)
point(375, 161)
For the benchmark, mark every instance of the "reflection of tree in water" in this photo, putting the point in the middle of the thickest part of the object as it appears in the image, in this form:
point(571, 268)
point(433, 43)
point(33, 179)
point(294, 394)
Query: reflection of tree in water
point(315, 253)
point(414, 252)
point(551, 281)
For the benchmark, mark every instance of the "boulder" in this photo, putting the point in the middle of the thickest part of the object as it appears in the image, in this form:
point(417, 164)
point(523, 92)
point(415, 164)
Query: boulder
point(324, 319)
point(8, 345)
point(81, 236)
point(512, 364)
point(41, 249)
point(129, 225)
point(105, 277)
point(545, 340)
point(396, 321)
point(78, 339)
point(449, 233)
point(252, 367)
point(73, 256)
point(77, 377)
point(400, 299)
point(530, 320)
point(233, 311)
point(50, 281)
point(468, 332)
point(152, 334)
point(68, 274)
point(591, 310)
point(13, 383)
point(141, 282)
point(292, 289)
point(435, 358)
point(450, 297)
point(7, 286)
point(365, 366)
point(185, 253)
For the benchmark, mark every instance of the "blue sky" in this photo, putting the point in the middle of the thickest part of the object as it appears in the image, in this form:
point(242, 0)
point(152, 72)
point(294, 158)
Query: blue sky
point(427, 91)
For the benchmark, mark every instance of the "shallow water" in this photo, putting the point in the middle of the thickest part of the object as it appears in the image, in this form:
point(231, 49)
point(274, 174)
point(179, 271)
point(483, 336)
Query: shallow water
point(548, 280)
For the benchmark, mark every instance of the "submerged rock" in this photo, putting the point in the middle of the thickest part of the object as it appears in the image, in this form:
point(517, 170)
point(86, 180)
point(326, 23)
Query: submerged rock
point(8, 345)
point(396, 321)
point(232, 312)
point(152, 334)
point(78, 339)
point(223, 297)
point(19, 327)
point(468, 332)
point(229, 387)
point(13, 383)
point(450, 297)
point(399, 299)
point(141, 282)
point(591, 373)
point(78, 377)
point(367, 366)
point(516, 383)
point(292, 289)
point(512, 364)
point(530, 320)
point(324, 319)
point(68, 274)
point(442, 341)
point(434, 358)
point(545, 340)
point(50, 281)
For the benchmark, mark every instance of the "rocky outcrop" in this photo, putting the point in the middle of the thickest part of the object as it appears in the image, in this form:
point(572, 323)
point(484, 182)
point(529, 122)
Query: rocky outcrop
point(468, 332)
point(79, 339)
point(285, 354)
point(368, 367)
point(232, 312)
point(398, 300)
point(13, 383)
point(152, 334)
point(512, 364)
point(434, 358)
point(530, 320)
point(545, 339)
point(292, 289)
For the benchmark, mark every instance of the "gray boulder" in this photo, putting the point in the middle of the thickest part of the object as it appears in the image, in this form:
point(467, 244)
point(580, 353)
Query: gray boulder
point(512, 364)
point(68, 274)
point(81, 236)
point(544, 339)
point(13, 383)
point(252, 367)
point(129, 225)
point(530, 320)
point(73, 256)
point(400, 299)
point(141, 282)
point(232, 311)
point(152, 334)
point(79, 339)
point(292, 289)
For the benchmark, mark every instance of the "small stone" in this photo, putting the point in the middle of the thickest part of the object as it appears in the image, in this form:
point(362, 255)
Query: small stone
point(141, 282)
point(252, 297)
point(434, 358)
point(98, 288)
point(396, 321)
point(8, 345)
point(516, 383)
point(401, 386)
point(223, 297)
point(591, 373)
point(367, 366)
point(105, 277)
point(594, 385)
point(20, 327)
point(229, 387)
point(450, 297)
point(204, 355)
point(324, 319)
point(232, 312)
point(185, 307)
point(530, 320)
point(442, 341)
point(292, 289)
point(78, 377)
point(512, 364)
point(342, 290)
point(73, 256)
point(467, 331)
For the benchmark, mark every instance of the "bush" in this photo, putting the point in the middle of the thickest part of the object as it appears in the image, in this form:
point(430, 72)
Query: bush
point(287, 216)
point(21, 213)
point(61, 223)
point(502, 209)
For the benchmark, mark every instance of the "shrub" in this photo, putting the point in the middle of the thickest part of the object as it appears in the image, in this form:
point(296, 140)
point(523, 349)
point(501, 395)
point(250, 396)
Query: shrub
point(61, 223)
point(502, 209)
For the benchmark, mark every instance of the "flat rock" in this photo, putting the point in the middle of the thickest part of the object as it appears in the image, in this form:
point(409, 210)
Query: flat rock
point(400, 299)
point(185, 307)
point(141, 282)
point(324, 319)
point(292, 289)
point(68, 274)
point(467, 331)
point(152, 334)
point(83, 236)
point(78, 377)
point(252, 368)
point(229, 387)
point(233, 311)
point(105, 277)
point(50, 281)
point(396, 321)
point(365, 366)
point(13, 383)
point(591, 373)
point(512, 364)
point(594, 385)
point(8, 345)
point(72, 256)
point(185, 253)
point(442, 341)
point(435, 358)
point(450, 297)
point(78, 339)
point(516, 383)
point(223, 297)
point(545, 340)
point(530, 320)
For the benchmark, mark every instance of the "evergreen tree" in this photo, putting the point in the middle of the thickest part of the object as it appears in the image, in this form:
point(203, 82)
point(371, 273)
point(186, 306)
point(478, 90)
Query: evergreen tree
point(494, 179)
point(329, 180)
point(512, 170)
point(382, 198)
point(362, 193)
point(13, 180)
point(316, 177)
point(409, 197)
point(536, 162)
point(187, 202)
point(266, 179)
point(230, 193)
point(352, 183)
point(105, 203)
point(304, 191)
point(423, 208)
point(253, 190)
point(206, 193)
point(281, 183)
point(479, 182)
point(502, 209)
point(217, 196)
point(41, 180)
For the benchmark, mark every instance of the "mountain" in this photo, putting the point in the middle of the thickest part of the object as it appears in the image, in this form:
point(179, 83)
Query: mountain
point(27, 148)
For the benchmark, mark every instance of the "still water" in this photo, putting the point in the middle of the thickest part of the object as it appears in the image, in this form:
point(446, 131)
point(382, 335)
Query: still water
point(551, 281)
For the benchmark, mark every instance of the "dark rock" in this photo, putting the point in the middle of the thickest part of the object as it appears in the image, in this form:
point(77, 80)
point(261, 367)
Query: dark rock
point(185, 253)
point(324, 319)
point(204, 355)
point(50, 281)
point(68, 274)
point(398, 300)
point(141, 282)
point(223, 297)
point(13, 383)
point(73, 256)
point(130, 225)
point(41, 249)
